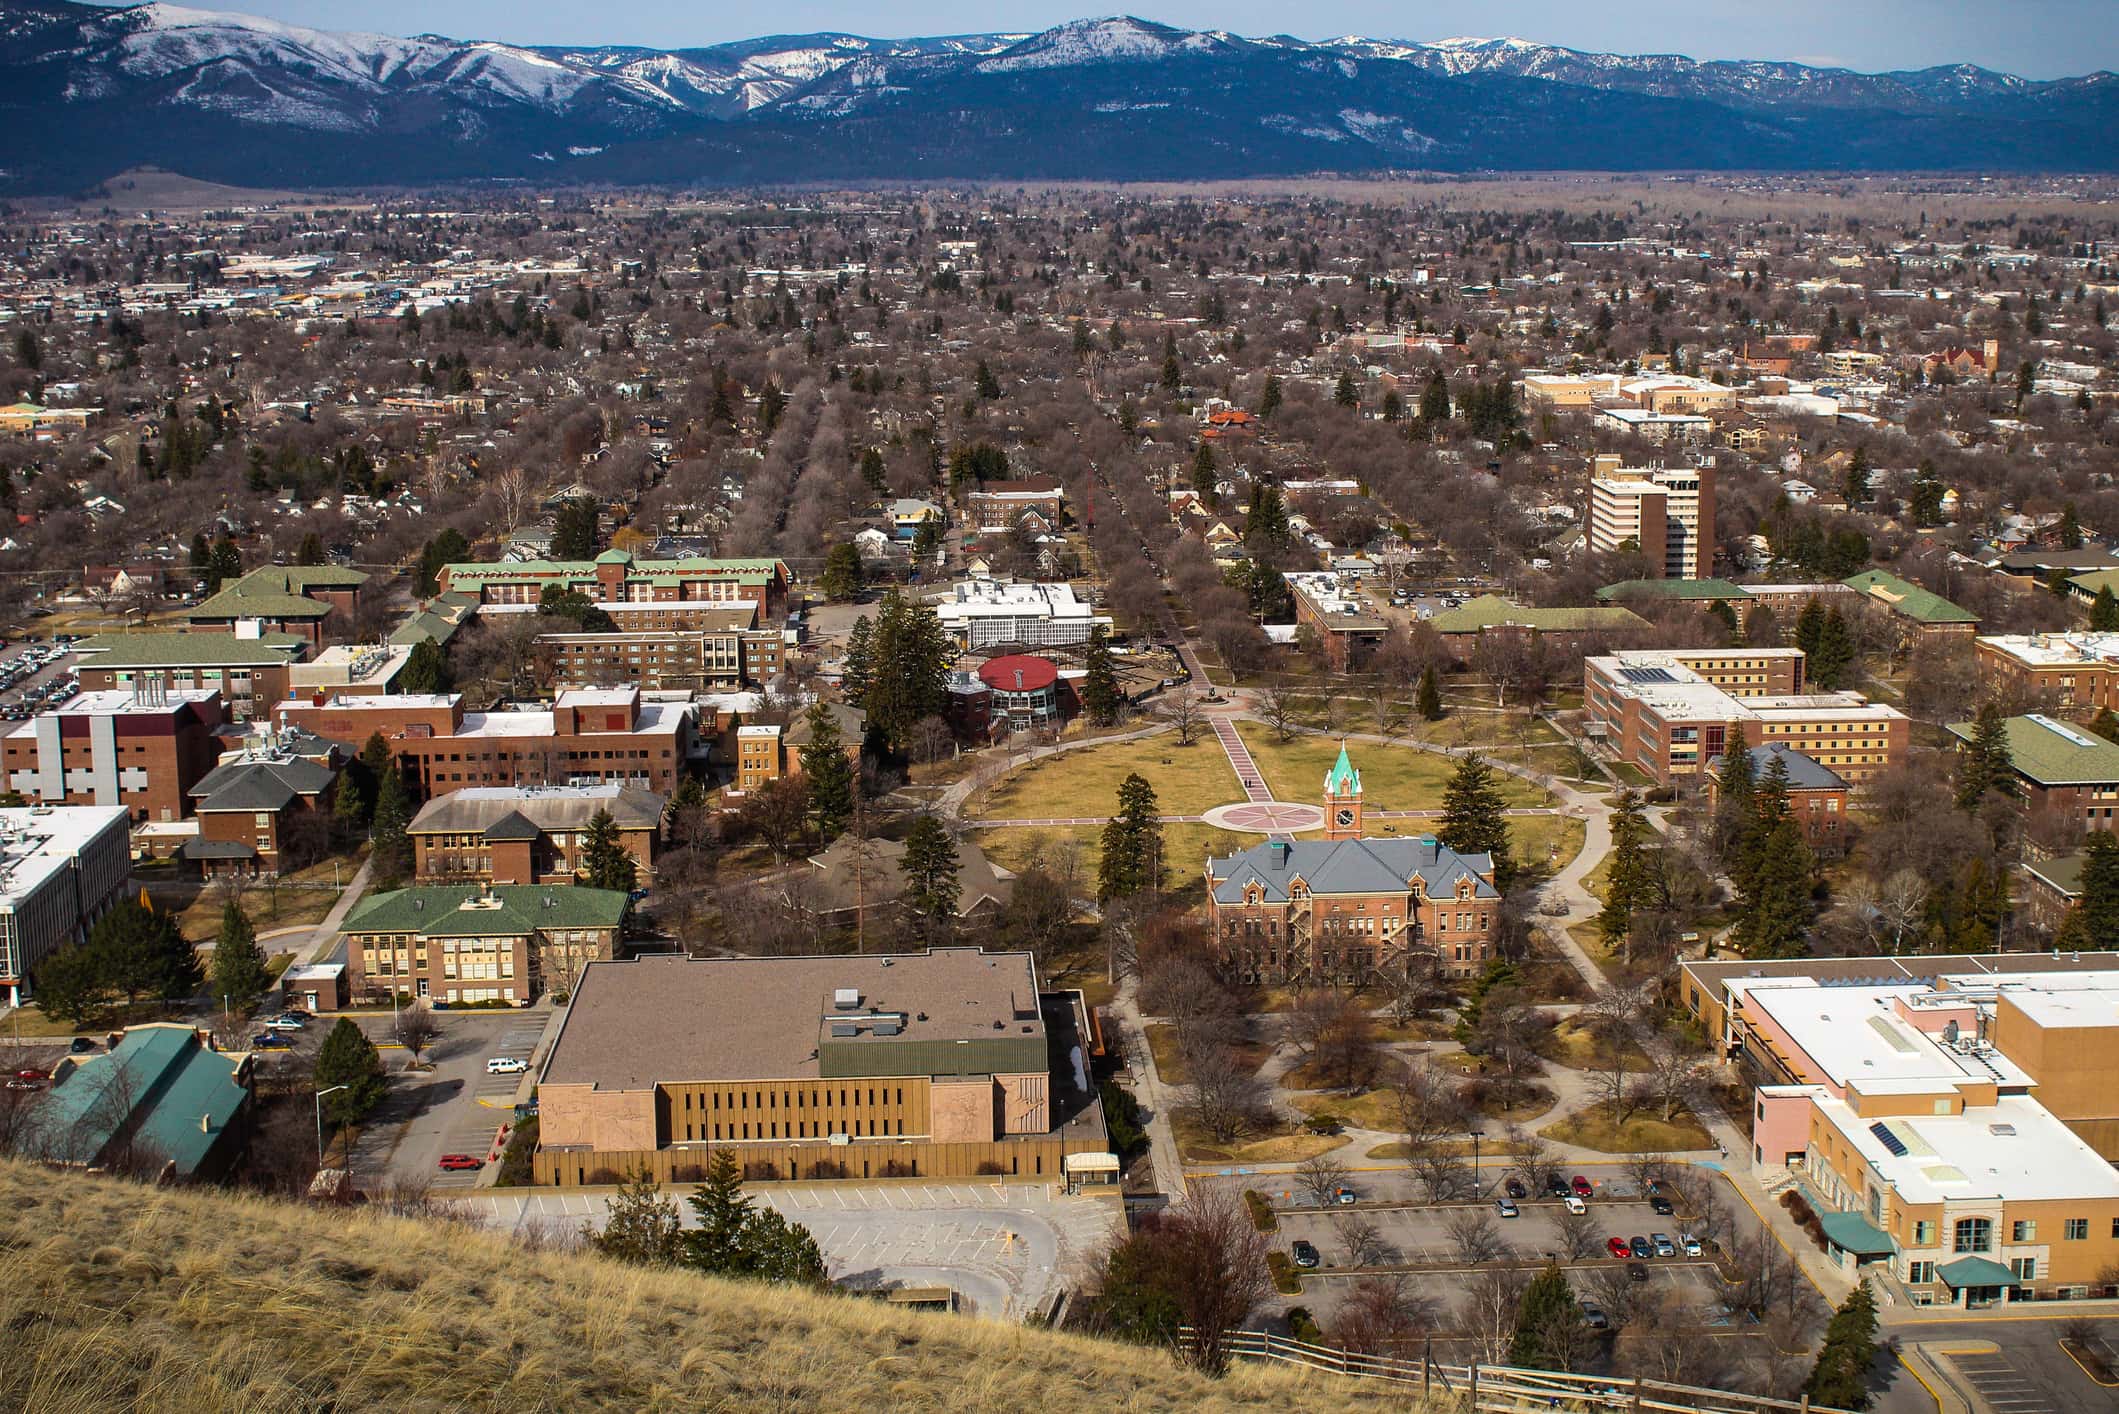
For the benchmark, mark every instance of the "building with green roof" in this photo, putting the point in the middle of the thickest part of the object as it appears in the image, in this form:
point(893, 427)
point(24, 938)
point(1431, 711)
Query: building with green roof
point(251, 674)
point(2060, 768)
point(1925, 613)
point(1490, 611)
point(480, 943)
point(1680, 589)
point(293, 599)
point(617, 576)
point(162, 1103)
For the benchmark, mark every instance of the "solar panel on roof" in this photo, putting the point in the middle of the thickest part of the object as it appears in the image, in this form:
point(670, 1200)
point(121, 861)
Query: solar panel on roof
point(1646, 675)
point(1890, 1141)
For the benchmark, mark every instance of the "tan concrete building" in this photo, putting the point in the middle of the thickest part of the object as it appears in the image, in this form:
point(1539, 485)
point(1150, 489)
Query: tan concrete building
point(1667, 515)
point(945, 1063)
point(1951, 1119)
point(2075, 672)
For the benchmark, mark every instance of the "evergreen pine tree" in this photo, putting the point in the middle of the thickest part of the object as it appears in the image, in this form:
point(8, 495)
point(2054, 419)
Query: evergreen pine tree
point(1857, 483)
point(1833, 661)
point(1472, 818)
point(311, 551)
point(1131, 859)
point(391, 854)
point(1841, 1376)
point(2070, 528)
point(1269, 401)
point(642, 1227)
point(830, 773)
point(733, 1239)
point(1101, 698)
point(1203, 475)
point(908, 668)
point(1776, 903)
point(348, 1058)
point(2104, 612)
point(1760, 628)
point(1434, 400)
point(239, 971)
point(1344, 393)
point(2106, 724)
point(2099, 904)
point(1984, 763)
point(1809, 628)
point(860, 651)
point(984, 383)
point(930, 870)
point(426, 669)
point(1430, 695)
point(605, 861)
point(1548, 1308)
point(841, 580)
point(1732, 788)
point(1628, 884)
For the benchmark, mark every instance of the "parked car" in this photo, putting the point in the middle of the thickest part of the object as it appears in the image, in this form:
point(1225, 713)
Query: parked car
point(1556, 1187)
point(1690, 1243)
point(456, 1162)
point(1618, 1248)
point(282, 1023)
point(1574, 1204)
point(1345, 1196)
point(1636, 1271)
point(30, 1072)
point(1305, 1254)
point(1516, 1189)
point(1593, 1316)
point(506, 1065)
point(1641, 1248)
point(1661, 1205)
point(81, 1046)
point(1507, 1207)
point(1580, 1186)
point(270, 1041)
point(1664, 1247)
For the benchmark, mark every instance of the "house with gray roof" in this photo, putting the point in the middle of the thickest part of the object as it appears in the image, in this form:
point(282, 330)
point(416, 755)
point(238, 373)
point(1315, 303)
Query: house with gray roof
point(248, 807)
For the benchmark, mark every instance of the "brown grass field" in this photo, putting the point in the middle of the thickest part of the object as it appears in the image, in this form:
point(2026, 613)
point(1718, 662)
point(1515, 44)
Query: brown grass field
point(118, 1296)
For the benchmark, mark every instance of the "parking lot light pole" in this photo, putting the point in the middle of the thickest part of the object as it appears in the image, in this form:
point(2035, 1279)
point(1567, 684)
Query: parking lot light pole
point(320, 1121)
point(1476, 1187)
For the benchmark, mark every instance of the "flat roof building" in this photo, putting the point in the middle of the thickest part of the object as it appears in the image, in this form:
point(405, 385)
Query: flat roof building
point(988, 613)
point(2073, 672)
point(949, 1062)
point(1954, 1118)
point(60, 870)
point(1667, 515)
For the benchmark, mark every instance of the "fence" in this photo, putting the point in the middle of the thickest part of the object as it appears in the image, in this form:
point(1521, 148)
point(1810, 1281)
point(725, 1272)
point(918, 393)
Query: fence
point(1506, 1389)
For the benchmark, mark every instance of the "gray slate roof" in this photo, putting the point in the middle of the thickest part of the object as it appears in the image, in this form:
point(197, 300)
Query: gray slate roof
point(1350, 867)
point(1805, 772)
point(259, 785)
point(477, 810)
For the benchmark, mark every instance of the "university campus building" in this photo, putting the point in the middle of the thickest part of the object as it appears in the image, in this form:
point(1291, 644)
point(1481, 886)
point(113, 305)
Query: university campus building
point(1346, 910)
point(945, 1063)
point(1669, 711)
point(1952, 1120)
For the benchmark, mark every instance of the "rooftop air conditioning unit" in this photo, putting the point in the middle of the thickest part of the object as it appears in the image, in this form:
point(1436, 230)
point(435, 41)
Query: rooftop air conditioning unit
point(846, 998)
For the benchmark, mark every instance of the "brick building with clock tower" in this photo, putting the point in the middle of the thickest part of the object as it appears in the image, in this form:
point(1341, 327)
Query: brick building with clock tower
point(1348, 909)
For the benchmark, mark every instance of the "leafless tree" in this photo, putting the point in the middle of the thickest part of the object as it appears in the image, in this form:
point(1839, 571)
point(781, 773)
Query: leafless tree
point(417, 1029)
point(1535, 1160)
point(1181, 710)
point(511, 493)
point(1320, 1177)
point(1362, 1241)
point(1276, 703)
point(931, 740)
point(1227, 1095)
point(1614, 1289)
point(1474, 1235)
point(1579, 1237)
point(1659, 1344)
point(1382, 1315)
point(1220, 1275)
point(1428, 1108)
point(1493, 1299)
point(1443, 1173)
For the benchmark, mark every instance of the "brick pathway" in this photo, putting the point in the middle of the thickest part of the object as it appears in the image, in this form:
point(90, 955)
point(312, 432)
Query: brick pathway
point(1254, 785)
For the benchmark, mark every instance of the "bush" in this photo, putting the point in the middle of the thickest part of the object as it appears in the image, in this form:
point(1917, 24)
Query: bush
point(1122, 1119)
point(688, 1173)
point(1282, 1267)
point(559, 998)
point(827, 1168)
point(1262, 1215)
point(989, 1167)
point(610, 1178)
point(761, 1169)
point(1303, 1326)
point(893, 1169)
point(1324, 1124)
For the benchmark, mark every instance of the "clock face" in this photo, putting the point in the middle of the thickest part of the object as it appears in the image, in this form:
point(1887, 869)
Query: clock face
point(1346, 816)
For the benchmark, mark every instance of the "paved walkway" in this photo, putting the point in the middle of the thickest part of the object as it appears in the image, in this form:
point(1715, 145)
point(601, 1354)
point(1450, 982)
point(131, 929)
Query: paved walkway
point(324, 945)
point(1247, 772)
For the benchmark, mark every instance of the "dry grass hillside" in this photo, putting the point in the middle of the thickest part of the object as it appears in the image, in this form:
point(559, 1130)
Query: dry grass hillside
point(114, 1296)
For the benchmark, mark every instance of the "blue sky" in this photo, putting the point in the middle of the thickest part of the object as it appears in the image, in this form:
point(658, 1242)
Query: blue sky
point(2037, 38)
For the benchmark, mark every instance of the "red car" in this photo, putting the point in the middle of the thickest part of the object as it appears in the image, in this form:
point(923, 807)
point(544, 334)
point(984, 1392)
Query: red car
point(30, 1072)
point(1618, 1247)
point(454, 1162)
point(1581, 1186)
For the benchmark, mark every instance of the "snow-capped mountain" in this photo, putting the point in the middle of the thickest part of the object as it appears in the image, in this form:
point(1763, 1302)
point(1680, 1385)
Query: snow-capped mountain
point(86, 91)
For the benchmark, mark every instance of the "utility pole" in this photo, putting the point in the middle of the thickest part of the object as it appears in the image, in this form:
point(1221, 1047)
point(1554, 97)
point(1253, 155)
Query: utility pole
point(320, 1121)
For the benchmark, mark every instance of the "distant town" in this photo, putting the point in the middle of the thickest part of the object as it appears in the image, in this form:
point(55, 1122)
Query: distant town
point(1445, 784)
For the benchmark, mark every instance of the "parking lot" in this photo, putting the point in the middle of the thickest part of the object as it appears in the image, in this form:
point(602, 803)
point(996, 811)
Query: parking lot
point(1006, 1249)
point(2007, 1386)
point(34, 677)
point(455, 1108)
point(1423, 1236)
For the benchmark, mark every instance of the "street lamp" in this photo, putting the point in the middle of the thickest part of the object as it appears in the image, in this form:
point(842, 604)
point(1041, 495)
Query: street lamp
point(320, 1121)
point(1475, 1161)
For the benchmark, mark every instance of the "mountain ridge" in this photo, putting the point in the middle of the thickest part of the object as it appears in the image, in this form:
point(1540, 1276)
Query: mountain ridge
point(234, 97)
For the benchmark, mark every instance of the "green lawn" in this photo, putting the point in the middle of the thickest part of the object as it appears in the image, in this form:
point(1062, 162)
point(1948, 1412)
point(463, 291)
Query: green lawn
point(1185, 849)
point(1392, 777)
point(1188, 780)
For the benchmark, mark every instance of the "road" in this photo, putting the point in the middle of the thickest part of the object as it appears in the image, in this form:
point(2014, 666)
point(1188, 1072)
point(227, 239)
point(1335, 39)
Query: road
point(455, 1108)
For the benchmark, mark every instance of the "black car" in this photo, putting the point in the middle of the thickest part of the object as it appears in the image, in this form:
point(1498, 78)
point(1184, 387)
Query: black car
point(1637, 1271)
point(1516, 1189)
point(1305, 1254)
point(1661, 1205)
point(1556, 1187)
point(81, 1046)
point(1640, 1248)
